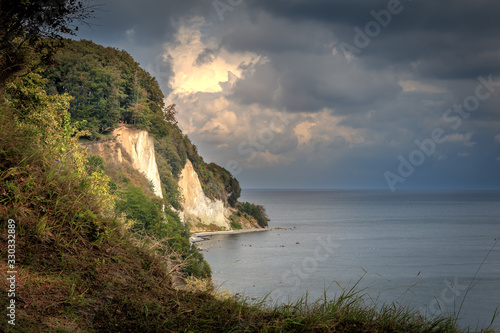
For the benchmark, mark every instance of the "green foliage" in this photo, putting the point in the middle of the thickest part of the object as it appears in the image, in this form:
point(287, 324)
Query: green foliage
point(235, 225)
point(43, 175)
point(256, 211)
point(32, 26)
point(165, 226)
point(231, 185)
point(107, 86)
point(35, 19)
point(178, 240)
point(95, 163)
point(170, 158)
point(136, 204)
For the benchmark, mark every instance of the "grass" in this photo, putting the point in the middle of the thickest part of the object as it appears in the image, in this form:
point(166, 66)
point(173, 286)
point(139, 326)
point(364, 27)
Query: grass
point(235, 225)
point(123, 285)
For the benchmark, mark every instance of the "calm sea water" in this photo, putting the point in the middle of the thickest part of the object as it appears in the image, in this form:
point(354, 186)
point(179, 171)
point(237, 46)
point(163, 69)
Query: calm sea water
point(417, 248)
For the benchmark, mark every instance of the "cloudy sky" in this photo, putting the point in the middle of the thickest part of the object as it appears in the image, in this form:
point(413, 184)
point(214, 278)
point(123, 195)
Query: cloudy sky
point(326, 94)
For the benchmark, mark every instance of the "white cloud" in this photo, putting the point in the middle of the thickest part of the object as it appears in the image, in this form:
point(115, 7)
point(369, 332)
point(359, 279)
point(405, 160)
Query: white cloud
point(255, 135)
point(303, 131)
point(191, 75)
point(497, 138)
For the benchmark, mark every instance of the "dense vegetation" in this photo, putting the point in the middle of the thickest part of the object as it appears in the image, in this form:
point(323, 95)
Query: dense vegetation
point(256, 211)
point(83, 267)
point(107, 86)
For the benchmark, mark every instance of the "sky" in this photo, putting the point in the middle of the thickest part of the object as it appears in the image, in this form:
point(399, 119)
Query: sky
point(325, 94)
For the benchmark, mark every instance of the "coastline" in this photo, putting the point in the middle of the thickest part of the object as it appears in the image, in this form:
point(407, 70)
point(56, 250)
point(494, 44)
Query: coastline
point(201, 236)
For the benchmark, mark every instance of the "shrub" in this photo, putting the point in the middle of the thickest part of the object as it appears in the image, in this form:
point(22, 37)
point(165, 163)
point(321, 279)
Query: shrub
point(256, 211)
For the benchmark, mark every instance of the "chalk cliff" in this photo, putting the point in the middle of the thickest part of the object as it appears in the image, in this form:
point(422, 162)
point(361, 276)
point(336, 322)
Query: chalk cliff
point(140, 147)
point(198, 209)
point(134, 148)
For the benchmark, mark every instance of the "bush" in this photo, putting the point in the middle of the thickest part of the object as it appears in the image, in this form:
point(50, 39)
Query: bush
point(256, 211)
point(138, 207)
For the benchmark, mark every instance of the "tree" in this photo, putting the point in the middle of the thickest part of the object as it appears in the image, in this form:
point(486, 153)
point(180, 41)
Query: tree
point(231, 184)
point(30, 27)
point(169, 114)
point(138, 111)
point(257, 211)
point(234, 191)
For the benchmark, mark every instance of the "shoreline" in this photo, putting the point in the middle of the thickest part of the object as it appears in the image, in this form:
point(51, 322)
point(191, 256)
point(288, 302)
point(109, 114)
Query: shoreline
point(199, 236)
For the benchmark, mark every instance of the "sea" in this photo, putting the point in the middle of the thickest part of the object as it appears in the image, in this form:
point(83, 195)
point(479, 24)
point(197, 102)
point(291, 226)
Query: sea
point(436, 252)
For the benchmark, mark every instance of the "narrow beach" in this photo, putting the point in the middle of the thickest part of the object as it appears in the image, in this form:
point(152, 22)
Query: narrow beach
point(201, 236)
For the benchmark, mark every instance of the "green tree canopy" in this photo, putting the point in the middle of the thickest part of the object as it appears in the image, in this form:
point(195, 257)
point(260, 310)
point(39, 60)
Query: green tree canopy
point(108, 86)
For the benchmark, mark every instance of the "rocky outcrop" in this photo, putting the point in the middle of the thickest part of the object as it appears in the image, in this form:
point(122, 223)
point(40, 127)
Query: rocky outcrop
point(198, 209)
point(140, 147)
point(134, 149)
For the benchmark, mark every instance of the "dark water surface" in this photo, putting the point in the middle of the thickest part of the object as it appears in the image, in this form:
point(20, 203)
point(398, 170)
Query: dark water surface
point(418, 248)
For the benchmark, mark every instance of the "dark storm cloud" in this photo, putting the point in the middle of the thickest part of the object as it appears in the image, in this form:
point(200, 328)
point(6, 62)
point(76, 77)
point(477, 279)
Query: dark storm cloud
point(449, 39)
point(154, 21)
point(308, 82)
point(425, 14)
point(259, 87)
point(267, 34)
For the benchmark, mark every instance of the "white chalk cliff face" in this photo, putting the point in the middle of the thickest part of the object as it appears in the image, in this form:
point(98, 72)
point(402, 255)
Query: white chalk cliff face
point(140, 146)
point(198, 210)
point(197, 207)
